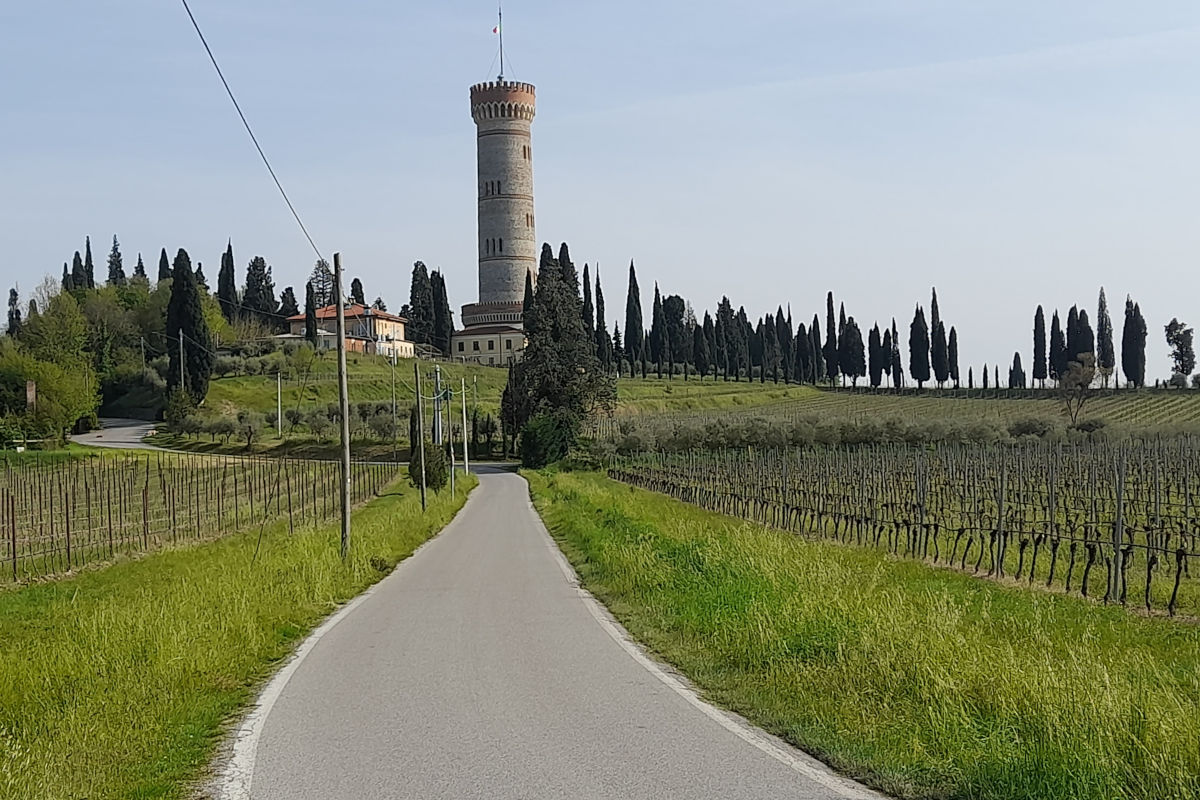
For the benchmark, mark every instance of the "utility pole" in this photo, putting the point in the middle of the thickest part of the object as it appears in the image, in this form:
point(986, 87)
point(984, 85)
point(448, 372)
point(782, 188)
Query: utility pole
point(279, 403)
point(395, 456)
point(437, 404)
point(466, 458)
point(420, 429)
point(143, 338)
point(343, 402)
point(182, 364)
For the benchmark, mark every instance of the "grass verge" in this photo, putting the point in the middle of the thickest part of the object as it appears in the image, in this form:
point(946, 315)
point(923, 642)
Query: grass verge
point(119, 683)
point(922, 682)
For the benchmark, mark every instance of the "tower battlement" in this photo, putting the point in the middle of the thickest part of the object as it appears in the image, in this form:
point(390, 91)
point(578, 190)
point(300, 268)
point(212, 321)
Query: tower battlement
point(503, 100)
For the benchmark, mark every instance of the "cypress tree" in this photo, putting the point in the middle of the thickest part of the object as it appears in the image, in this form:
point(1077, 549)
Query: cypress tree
point(604, 346)
point(854, 364)
point(658, 332)
point(802, 347)
point(618, 351)
point(258, 296)
point(952, 354)
point(420, 305)
point(1016, 374)
point(68, 282)
point(1058, 349)
point(1085, 339)
point(710, 343)
point(527, 301)
point(310, 314)
point(1133, 344)
point(14, 313)
point(819, 370)
point(725, 339)
point(744, 333)
point(885, 351)
point(677, 341)
point(378, 304)
point(831, 347)
point(139, 271)
point(1073, 351)
point(164, 266)
point(78, 273)
point(201, 281)
point(227, 293)
point(875, 357)
point(443, 317)
point(356, 293)
point(935, 315)
point(783, 331)
point(918, 348)
point(700, 355)
point(589, 312)
point(89, 269)
point(116, 266)
point(633, 319)
point(970, 377)
point(1106, 355)
point(985, 377)
point(1039, 347)
point(996, 370)
point(288, 307)
point(897, 366)
point(185, 318)
point(770, 349)
point(940, 355)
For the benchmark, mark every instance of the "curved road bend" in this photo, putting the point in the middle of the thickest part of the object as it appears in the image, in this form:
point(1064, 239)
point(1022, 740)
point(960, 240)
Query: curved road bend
point(478, 670)
point(119, 434)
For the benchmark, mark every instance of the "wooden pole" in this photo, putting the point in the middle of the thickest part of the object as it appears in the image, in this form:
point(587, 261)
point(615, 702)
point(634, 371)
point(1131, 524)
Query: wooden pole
point(343, 402)
point(420, 430)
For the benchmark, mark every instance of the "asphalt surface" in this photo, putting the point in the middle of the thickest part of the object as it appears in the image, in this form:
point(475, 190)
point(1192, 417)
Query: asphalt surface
point(119, 434)
point(479, 670)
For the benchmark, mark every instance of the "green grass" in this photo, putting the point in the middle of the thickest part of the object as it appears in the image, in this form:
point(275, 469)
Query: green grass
point(923, 682)
point(118, 683)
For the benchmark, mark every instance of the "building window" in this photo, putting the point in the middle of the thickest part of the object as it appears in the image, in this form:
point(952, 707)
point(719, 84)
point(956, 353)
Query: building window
point(501, 245)
point(508, 344)
point(475, 346)
point(460, 347)
point(491, 345)
point(498, 189)
point(491, 361)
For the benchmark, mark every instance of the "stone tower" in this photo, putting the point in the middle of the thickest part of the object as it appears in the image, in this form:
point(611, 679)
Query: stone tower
point(503, 112)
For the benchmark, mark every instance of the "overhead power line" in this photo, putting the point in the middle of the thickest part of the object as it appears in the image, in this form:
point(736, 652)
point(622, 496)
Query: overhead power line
point(250, 130)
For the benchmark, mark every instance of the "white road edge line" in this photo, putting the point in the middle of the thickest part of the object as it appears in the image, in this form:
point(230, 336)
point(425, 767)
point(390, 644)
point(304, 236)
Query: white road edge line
point(799, 761)
point(235, 777)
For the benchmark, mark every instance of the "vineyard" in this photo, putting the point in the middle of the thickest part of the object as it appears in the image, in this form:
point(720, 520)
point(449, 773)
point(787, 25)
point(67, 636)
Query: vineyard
point(1112, 522)
point(57, 515)
point(1142, 409)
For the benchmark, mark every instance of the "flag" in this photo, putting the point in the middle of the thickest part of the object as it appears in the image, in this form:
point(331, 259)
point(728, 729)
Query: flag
point(496, 29)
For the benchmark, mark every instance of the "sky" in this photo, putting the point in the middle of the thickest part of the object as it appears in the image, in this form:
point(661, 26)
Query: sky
point(1009, 153)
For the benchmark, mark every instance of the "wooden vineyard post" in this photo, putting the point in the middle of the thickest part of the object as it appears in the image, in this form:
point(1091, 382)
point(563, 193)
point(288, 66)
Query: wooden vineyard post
point(1114, 589)
point(12, 531)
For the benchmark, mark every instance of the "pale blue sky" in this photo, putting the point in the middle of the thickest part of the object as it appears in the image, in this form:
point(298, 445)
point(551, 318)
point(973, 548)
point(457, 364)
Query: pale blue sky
point(1009, 153)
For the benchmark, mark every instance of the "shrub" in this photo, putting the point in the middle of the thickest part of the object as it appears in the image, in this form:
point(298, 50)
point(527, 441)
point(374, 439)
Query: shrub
point(547, 437)
point(1030, 426)
point(293, 417)
point(319, 423)
point(436, 473)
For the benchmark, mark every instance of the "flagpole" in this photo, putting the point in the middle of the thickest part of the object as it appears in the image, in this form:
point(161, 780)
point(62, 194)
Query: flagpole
point(500, 30)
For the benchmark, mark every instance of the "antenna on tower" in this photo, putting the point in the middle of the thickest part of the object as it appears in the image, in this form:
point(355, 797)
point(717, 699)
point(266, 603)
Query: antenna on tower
point(500, 30)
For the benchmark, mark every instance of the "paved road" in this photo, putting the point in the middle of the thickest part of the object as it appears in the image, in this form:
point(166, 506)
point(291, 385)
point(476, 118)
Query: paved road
point(120, 434)
point(479, 670)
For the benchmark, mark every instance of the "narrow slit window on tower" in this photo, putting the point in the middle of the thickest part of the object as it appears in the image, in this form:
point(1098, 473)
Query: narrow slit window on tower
point(498, 189)
point(501, 245)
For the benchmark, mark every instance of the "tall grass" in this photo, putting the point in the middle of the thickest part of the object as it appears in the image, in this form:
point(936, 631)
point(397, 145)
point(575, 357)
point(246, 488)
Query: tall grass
point(118, 683)
point(923, 682)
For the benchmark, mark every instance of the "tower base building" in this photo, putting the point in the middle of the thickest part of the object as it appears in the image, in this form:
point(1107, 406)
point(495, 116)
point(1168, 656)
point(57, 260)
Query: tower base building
point(493, 331)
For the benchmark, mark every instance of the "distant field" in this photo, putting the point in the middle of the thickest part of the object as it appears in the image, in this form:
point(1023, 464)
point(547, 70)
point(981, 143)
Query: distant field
point(715, 402)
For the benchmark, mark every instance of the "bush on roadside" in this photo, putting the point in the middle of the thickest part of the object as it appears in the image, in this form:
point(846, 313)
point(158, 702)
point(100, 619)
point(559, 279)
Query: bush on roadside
point(546, 438)
point(436, 471)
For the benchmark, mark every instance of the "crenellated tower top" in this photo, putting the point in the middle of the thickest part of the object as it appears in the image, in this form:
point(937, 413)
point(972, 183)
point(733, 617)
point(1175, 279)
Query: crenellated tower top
point(503, 100)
